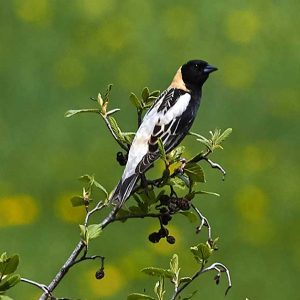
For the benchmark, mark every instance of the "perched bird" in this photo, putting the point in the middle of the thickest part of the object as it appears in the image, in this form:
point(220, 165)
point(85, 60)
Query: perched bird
point(169, 119)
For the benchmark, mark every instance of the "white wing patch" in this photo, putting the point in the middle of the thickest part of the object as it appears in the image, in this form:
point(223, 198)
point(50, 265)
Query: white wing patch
point(140, 146)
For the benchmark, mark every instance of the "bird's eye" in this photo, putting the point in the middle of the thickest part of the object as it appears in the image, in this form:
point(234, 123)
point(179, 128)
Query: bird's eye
point(197, 67)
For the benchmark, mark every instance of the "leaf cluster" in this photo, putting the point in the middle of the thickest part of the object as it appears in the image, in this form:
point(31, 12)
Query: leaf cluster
point(8, 278)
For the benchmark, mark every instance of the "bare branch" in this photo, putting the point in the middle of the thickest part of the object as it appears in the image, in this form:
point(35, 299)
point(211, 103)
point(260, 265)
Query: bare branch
point(220, 268)
point(38, 285)
point(203, 222)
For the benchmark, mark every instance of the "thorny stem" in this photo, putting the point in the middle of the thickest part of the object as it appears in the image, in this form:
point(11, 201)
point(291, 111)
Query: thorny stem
point(220, 268)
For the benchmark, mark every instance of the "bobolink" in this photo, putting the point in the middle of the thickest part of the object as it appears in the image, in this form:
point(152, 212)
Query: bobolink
point(169, 119)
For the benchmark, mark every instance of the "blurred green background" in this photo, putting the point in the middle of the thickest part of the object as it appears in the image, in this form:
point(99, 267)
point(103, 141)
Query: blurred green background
point(54, 55)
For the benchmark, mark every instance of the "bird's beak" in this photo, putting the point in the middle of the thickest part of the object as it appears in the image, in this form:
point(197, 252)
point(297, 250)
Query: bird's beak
point(209, 69)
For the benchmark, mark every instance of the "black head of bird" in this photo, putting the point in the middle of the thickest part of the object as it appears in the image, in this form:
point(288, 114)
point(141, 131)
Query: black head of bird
point(195, 73)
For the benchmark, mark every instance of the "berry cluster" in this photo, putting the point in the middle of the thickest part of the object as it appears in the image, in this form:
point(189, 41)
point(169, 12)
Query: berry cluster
point(174, 204)
point(163, 232)
point(168, 206)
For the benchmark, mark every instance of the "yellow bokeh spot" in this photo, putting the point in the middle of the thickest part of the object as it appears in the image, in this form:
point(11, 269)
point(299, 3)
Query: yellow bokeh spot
point(251, 203)
point(255, 226)
point(17, 210)
point(66, 212)
point(93, 9)
point(33, 11)
point(70, 71)
point(163, 247)
point(242, 26)
point(111, 284)
point(178, 22)
point(238, 72)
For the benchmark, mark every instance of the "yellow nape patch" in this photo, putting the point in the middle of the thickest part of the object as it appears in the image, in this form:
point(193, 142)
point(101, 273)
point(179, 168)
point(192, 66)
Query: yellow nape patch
point(177, 82)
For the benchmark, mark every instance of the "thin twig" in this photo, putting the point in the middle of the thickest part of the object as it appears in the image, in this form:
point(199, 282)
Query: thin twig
point(37, 284)
point(64, 269)
point(98, 207)
point(220, 268)
point(216, 166)
point(126, 148)
point(204, 222)
point(84, 257)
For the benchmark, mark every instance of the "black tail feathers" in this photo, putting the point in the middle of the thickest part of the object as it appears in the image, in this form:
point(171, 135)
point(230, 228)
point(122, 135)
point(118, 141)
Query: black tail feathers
point(123, 190)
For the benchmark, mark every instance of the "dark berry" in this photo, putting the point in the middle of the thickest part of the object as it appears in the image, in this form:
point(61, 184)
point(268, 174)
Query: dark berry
point(100, 274)
point(165, 219)
point(163, 232)
point(154, 237)
point(184, 204)
point(171, 239)
point(217, 279)
point(122, 160)
point(164, 199)
point(163, 210)
point(173, 206)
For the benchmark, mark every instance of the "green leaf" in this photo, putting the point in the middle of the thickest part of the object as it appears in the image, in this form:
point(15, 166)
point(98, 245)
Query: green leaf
point(190, 215)
point(201, 252)
point(150, 101)
point(162, 152)
point(195, 172)
point(174, 267)
point(159, 288)
point(86, 178)
point(112, 111)
point(148, 198)
point(185, 279)
point(77, 201)
point(3, 257)
point(100, 187)
point(73, 112)
point(137, 296)
point(175, 155)
point(145, 94)
point(177, 183)
point(93, 231)
point(9, 281)
point(107, 92)
point(123, 213)
point(155, 93)
point(115, 128)
point(135, 101)
point(222, 137)
point(136, 210)
point(4, 297)
point(152, 271)
point(9, 264)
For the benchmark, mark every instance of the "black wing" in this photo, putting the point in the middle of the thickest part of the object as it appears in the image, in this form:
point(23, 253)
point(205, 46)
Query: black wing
point(172, 133)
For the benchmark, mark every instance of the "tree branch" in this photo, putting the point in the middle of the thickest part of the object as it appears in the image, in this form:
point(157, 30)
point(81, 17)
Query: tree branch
point(220, 268)
point(39, 285)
